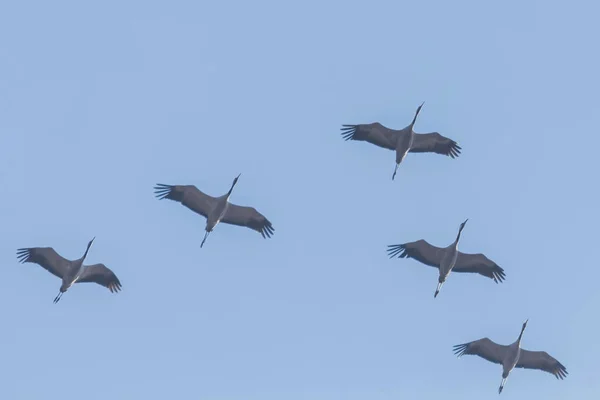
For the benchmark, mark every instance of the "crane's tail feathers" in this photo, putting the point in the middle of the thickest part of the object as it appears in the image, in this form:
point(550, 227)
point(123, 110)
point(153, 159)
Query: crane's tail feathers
point(24, 255)
point(162, 191)
point(397, 250)
point(348, 131)
point(460, 349)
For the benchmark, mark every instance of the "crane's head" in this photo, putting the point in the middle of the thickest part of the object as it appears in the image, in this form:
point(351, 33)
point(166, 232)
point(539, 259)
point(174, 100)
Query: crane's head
point(463, 224)
point(525, 324)
point(236, 179)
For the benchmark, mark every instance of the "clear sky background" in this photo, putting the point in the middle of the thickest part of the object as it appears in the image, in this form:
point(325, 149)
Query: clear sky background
point(99, 102)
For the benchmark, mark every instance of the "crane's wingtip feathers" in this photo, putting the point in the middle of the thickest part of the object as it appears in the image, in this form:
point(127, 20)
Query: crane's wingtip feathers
point(454, 150)
point(115, 286)
point(560, 371)
point(267, 230)
point(498, 274)
point(23, 254)
point(162, 191)
point(348, 131)
point(459, 349)
point(397, 250)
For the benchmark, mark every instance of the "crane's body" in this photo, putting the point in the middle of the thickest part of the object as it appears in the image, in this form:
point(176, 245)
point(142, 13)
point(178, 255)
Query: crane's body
point(218, 211)
point(449, 257)
point(402, 141)
point(512, 356)
point(450, 254)
point(75, 271)
point(510, 361)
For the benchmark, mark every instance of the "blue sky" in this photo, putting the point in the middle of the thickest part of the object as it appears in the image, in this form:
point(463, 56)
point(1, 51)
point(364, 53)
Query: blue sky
point(101, 101)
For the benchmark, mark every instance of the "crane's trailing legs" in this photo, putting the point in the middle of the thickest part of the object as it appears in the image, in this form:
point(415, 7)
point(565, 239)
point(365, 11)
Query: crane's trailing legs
point(204, 240)
point(395, 170)
point(502, 385)
point(58, 297)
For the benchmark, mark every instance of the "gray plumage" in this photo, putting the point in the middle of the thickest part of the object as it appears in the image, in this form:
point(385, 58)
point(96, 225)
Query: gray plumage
point(402, 141)
point(69, 271)
point(512, 356)
point(447, 259)
point(216, 209)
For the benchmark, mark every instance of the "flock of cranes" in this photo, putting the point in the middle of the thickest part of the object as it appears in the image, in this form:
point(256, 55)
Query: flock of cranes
point(449, 259)
point(218, 209)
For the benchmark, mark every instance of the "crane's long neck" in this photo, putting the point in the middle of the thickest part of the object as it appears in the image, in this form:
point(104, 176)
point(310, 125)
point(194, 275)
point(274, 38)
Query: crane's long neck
point(415, 118)
point(86, 250)
point(232, 186)
point(520, 337)
point(458, 237)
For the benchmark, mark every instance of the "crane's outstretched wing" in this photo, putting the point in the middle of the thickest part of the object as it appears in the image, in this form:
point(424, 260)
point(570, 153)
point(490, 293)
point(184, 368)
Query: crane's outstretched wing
point(480, 264)
point(434, 143)
point(188, 195)
point(100, 274)
point(420, 250)
point(46, 257)
point(248, 217)
point(542, 361)
point(374, 133)
point(483, 348)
